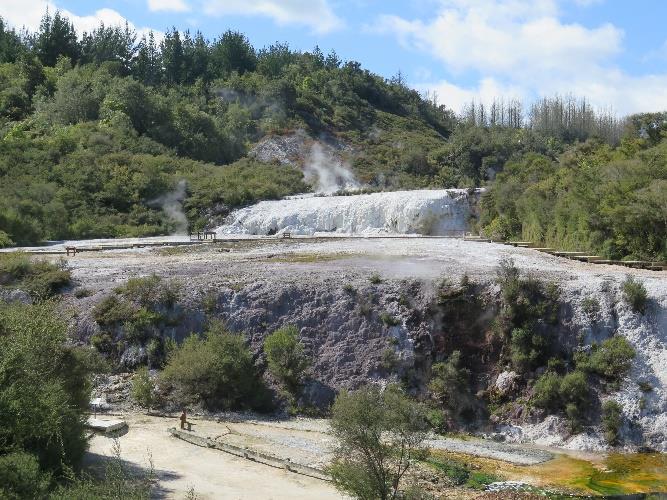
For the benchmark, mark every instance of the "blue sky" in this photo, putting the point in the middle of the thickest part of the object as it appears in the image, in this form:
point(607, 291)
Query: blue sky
point(612, 51)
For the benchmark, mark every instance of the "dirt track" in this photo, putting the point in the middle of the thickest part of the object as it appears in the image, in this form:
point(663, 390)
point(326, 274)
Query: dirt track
point(180, 466)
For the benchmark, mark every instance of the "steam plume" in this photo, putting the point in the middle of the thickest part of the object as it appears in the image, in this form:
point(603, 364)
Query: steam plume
point(328, 173)
point(172, 205)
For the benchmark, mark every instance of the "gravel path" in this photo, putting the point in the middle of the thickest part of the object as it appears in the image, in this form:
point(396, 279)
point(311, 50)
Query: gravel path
point(519, 455)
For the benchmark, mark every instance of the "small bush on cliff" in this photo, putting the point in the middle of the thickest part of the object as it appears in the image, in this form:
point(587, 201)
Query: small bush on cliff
point(575, 394)
point(612, 419)
point(635, 294)
point(569, 393)
point(139, 310)
point(112, 310)
point(388, 320)
point(591, 307)
point(450, 387)
point(529, 313)
point(375, 279)
point(527, 349)
point(151, 291)
point(546, 393)
point(380, 434)
point(216, 369)
point(286, 357)
point(610, 360)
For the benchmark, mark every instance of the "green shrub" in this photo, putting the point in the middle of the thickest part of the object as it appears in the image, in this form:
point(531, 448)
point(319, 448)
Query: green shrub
point(44, 387)
point(546, 393)
point(611, 360)
point(217, 369)
point(591, 307)
point(103, 343)
point(389, 360)
point(21, 477)
point(14, 266)
point(140, 325)
point(81, 293)
point(46, 280)
point(460, 474)
point(389, 320)
point(612, 419)
point(575, 393)
point(112, 310)
point(375, 279)
point(40, 278)
point(555, 365)
point(527, 349)
point(529, 313)
point(286, 357)
point(143, 388)
point(151, 291)
point(644, 386)
point(635, 294)
point(450, 386)
point(5, 240)
point(457, 473)
point(210, 302)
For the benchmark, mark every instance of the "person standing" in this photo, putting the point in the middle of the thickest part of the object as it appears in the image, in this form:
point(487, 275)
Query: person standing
point(184, 418)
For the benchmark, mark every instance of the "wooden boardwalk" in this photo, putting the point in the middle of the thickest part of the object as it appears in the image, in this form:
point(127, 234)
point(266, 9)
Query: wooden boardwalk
point(578, 256)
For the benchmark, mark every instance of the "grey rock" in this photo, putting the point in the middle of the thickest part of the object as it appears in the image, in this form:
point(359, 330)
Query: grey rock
point(317, 394)
point(14, 295)
point(133, 356)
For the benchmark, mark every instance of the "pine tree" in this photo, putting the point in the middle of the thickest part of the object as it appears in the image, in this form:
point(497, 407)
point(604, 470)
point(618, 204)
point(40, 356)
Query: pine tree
point(56, 38)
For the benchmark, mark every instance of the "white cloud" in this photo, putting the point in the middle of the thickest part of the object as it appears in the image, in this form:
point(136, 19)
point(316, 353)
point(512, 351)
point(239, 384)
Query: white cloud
point(504, 36)
point(316, 14)
point(168, 6)
point(588, 3)
point(28, 13)
point(522, 48)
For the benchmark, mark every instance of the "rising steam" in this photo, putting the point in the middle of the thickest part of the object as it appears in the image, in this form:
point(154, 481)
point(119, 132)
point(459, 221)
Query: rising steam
point(172, 205)
point(328, 173)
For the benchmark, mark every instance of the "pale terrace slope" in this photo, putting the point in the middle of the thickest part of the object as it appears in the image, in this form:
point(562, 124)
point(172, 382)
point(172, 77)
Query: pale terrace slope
point(425, 212)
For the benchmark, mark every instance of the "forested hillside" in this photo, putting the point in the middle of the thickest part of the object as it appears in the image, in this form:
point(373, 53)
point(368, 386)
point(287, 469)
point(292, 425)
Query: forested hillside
point(99, 130)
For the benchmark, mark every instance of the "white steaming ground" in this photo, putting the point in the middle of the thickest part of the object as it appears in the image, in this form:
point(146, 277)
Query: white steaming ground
point(425, 212)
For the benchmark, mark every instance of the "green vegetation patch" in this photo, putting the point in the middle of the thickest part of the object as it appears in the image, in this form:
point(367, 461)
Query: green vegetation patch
point(40, 278)
point(461, 474)
point(216, 369)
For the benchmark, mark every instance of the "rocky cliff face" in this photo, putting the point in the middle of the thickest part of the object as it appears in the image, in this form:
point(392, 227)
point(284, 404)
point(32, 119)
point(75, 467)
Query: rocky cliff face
point(372, 319)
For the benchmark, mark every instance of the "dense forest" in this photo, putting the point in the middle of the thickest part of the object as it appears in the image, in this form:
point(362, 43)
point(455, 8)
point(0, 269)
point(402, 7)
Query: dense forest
point(98, 129)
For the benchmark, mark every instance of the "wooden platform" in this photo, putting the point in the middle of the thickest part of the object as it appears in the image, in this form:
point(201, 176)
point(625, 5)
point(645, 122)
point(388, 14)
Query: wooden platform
point(105, 425)
point(578, 256)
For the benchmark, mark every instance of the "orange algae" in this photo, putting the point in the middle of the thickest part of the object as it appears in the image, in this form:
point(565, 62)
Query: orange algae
point(608, 474)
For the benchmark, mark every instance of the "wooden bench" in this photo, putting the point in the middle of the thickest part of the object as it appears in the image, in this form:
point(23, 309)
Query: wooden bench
point(524, 244)
point(203, 236)
point(71, 250)
point(286, 235)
